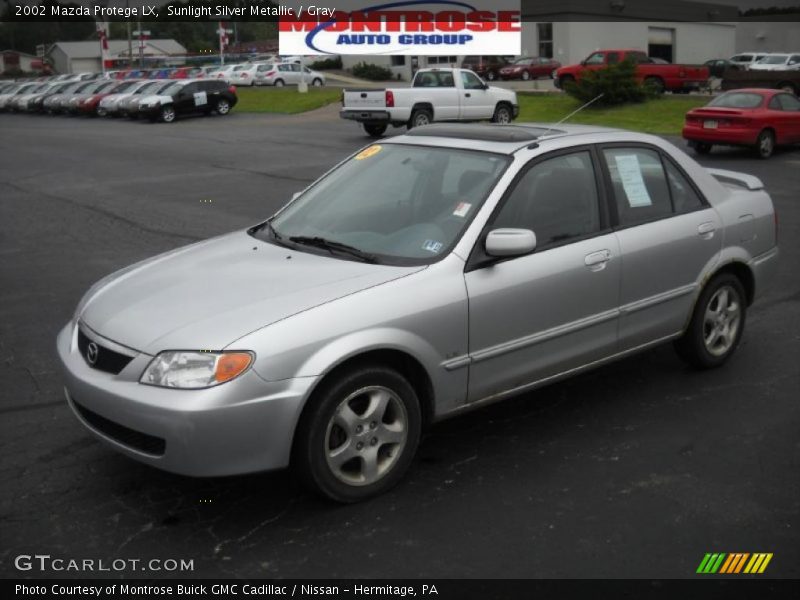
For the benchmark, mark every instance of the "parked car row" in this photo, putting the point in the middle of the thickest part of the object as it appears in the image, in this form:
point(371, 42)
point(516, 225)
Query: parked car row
point(152, 99)
point(275, 73)
point(501, 67)
point(764, 61)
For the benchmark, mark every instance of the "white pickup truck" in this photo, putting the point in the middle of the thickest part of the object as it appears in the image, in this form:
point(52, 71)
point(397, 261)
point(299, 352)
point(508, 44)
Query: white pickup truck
point(434, 95)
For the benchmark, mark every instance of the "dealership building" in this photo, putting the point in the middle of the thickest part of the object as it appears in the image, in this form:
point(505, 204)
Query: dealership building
point(570, 30)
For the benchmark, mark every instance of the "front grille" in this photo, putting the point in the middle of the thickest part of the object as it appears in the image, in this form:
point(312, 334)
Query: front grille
point(143, 442)
point(106, 360)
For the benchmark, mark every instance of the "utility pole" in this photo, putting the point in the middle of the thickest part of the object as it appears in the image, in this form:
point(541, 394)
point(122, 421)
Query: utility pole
point(130, 39)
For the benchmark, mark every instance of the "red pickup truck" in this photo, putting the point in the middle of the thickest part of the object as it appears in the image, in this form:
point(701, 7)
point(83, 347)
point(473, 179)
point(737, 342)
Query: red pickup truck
point(662, 76)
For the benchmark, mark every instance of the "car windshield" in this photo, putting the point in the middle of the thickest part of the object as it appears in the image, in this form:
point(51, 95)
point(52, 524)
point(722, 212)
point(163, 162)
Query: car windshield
point(401, 204)
point(737, 100)
point(523, 61)
point(775, 59)
point(171, 88)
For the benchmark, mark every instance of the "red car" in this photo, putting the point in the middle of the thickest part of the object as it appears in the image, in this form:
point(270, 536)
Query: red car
point(760, 118)
point(530, 67)
point(187, 73)
point(89, 105)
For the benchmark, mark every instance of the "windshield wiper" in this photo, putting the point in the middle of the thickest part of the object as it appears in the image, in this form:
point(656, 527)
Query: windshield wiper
point(331, 246)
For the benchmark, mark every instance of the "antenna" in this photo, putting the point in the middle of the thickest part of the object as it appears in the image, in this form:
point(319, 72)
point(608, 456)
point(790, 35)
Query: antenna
point(573, 113)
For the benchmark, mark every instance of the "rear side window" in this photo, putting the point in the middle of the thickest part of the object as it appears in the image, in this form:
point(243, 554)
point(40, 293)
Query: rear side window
point(556, 199)
point(640, 185)
point(788, 102)
point(684, 197)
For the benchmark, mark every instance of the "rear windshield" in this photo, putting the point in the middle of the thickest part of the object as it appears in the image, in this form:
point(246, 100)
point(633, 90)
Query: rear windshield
point(738, 100)
point(434, 79)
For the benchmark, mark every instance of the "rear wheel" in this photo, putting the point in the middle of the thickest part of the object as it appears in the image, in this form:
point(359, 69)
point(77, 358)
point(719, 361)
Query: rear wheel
point(359, 434)
point(765, 143)
point(317, 82)
point(279, 83)
point(717, 324)
point(167, 114)
point(526, 75)
point(788, 86)
point(419, 118)
point(702, 147)
point(375, 130)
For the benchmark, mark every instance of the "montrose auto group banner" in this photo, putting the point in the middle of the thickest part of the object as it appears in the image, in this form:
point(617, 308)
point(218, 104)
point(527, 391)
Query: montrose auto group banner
point(410, 27)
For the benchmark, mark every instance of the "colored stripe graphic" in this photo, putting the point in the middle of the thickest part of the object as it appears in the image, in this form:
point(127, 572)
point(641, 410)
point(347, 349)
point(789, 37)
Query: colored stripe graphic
point(733, 563)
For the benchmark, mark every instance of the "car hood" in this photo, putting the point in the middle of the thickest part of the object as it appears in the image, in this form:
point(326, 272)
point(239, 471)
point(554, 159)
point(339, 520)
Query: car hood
point(209, 294)
point(155, 99)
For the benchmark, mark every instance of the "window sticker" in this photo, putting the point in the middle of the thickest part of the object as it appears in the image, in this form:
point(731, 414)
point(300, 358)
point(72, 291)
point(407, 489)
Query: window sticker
point(630, 173)
point(200, 99)
point(462, 209)
point(368, 152)
point(432, 246)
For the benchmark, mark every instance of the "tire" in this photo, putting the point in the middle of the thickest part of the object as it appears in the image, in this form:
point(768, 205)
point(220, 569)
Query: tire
point(656, 84)
point(717, 324)
point(279, 83)
point(765, 144)
point(490, 76)
point(223, 107)
point(358, 435)
point(525, 76)
point(702, 147)
point(788, 86)
point(317, 82)
point(502, 114)
point(167, 114)
point(566, 80)
point(420, 117)
point(375, 130)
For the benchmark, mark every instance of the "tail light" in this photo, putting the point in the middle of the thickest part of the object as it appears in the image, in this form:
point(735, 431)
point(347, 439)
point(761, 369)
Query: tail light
point(232, 89)
point(389, 99)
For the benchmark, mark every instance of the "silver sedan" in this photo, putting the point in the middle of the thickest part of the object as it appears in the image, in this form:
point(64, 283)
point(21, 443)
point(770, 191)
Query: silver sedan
point(424, 276)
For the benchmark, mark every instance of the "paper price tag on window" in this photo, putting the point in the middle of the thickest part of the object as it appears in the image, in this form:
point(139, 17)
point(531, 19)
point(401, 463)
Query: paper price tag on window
point(200, 99)
point(630, 174)
point(462, 209)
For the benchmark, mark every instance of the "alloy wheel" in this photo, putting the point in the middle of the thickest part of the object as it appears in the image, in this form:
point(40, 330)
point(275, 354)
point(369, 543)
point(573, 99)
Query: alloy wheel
point(721, 320)
point(366, 436)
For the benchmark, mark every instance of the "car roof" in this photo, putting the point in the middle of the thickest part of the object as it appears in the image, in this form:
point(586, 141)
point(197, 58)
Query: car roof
point(502, 139)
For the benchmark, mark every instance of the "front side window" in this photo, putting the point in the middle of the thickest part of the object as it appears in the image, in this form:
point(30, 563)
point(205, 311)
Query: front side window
point(556, 199)
point(470, 81)
point(598, 58)
point(640, 185)
point(403, 204)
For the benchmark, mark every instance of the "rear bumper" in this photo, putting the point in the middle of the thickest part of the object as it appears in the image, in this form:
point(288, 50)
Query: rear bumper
point(365, 116)
point(736, 137)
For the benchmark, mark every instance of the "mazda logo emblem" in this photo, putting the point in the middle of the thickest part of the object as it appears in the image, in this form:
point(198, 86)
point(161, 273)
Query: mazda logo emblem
point(92, 351)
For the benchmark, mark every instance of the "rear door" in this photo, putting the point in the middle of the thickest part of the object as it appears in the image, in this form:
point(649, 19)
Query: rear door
point(668, 237)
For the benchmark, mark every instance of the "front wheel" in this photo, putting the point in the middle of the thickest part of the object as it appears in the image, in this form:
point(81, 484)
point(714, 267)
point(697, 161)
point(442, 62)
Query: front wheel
point(358, 435)
point(167, 114)
point(526, 76)
point(502, 115)
point(279, 83)
point(490, 76)
point(223, 107)
point(765, 144)
point(717, 324)
point(656, 85)
point(375, 130)
point(317, 82)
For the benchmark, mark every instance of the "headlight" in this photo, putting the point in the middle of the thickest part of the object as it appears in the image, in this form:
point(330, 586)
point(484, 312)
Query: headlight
point(195, 369)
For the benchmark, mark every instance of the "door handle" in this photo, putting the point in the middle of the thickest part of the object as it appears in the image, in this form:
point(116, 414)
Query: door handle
point(596, 261)
point(468, 95)
point(706, 230)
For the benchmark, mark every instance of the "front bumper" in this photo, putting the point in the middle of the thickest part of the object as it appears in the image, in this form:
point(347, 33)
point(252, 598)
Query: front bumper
point(149, 110)
point(242, 426)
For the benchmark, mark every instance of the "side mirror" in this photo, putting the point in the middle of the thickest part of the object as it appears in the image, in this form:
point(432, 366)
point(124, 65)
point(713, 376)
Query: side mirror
point(510, 242)
point(583, 63)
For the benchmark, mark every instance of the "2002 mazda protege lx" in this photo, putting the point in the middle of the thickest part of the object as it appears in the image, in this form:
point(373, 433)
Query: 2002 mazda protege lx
point(425, 275)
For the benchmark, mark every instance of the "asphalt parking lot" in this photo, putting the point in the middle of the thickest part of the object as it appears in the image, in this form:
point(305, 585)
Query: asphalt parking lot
point(634, 470)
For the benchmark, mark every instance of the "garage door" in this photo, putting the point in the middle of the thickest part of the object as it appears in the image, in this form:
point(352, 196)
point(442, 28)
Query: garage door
point(660, 43)
point(85, 65)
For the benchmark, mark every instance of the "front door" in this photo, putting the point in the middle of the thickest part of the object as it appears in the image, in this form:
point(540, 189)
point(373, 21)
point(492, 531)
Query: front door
point(475, 98)
point(545, 313)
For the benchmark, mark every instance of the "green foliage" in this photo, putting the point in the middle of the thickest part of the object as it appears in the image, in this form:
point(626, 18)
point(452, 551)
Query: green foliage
point(617, 83)
point(327, 63)
point(371, 72)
